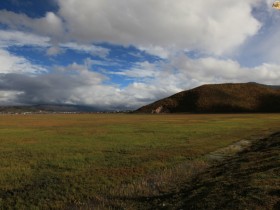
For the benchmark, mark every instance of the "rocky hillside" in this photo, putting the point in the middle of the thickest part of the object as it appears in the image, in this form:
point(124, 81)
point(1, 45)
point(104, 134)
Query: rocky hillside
point(220, 98)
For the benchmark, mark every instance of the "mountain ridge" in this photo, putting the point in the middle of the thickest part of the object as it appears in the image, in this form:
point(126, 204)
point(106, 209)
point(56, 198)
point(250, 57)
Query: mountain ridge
point(47, 108)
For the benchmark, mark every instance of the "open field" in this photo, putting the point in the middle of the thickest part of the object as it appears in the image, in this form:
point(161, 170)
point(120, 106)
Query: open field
point(111, 160)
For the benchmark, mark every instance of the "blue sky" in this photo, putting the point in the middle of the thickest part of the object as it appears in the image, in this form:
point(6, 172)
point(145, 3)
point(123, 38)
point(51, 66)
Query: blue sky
point(127, 53)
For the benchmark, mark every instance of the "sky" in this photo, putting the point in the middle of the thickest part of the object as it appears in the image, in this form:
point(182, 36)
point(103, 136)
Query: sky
point(120, 55)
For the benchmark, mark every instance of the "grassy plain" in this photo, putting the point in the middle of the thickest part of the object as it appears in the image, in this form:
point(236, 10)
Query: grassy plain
point(96, 160)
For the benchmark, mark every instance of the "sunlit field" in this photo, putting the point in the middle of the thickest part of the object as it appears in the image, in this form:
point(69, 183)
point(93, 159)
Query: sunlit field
point(104, 161)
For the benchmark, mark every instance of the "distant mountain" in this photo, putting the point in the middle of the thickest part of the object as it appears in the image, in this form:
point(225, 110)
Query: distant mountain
point(47, 108)
point(220, 98)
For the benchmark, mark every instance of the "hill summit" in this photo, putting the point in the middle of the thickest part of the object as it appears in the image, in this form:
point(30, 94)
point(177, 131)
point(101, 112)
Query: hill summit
point(220, 98)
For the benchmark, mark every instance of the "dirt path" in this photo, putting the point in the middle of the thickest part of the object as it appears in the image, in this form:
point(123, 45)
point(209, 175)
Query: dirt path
point(229, 151)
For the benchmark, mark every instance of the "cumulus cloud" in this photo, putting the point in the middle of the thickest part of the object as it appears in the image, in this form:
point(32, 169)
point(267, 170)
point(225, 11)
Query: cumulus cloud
point(263, 47)
point(57, 87)
point(16, 64)
point(17, 38)
point(212, 70)
point(50, 25)
point(9, 38)
point(77, 84)
point(188, 24)
point(200, 24)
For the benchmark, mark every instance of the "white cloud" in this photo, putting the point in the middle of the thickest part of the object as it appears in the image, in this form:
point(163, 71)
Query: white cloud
point(212, 70)
point(92, 49)
point(185, 24)
point(10, 38)
point(15, 64)
point(200, 24)
point(156, 50)
point(140, 70)
point(262, 47)
point(50, 25)
point(54, 50)
point(17, 38)
point(89, 77)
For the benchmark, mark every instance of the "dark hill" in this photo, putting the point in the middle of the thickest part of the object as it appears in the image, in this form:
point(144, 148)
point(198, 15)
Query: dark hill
point(220, 98)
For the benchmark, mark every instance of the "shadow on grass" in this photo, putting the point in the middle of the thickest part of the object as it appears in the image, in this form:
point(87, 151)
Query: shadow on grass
point(250, 180)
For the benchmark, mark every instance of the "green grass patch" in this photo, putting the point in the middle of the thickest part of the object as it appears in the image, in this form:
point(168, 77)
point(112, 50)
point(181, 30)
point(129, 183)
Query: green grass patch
point(64, 161)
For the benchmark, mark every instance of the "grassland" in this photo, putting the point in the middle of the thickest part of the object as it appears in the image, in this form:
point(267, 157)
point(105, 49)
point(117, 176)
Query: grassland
point(111, 160)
